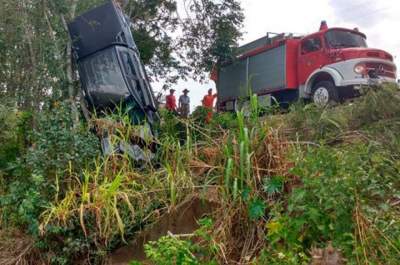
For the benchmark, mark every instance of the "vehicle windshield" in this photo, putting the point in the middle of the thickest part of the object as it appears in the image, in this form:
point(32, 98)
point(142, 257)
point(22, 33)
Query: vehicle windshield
point(345, 39)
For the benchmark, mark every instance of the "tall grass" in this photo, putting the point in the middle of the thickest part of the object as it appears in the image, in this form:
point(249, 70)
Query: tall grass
point(287, 183)
point(119, 194)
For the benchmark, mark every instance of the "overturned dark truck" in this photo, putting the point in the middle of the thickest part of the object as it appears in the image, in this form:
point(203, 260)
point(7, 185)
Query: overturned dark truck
point(111, 72)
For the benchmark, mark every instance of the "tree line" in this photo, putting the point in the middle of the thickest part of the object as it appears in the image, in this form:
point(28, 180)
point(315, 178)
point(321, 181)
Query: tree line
point(177, 39)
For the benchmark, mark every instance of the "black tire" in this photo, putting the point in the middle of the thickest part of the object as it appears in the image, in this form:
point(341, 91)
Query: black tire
point(325, 93)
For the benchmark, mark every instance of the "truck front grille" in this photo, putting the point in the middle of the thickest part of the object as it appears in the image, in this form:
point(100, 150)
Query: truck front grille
point(381, 69)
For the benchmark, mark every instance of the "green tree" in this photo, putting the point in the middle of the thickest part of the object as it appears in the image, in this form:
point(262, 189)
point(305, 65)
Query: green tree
point(181, 39)
point(177, 39)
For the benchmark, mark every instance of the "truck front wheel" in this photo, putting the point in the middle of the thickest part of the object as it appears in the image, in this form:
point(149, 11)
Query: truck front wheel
point(324, 94)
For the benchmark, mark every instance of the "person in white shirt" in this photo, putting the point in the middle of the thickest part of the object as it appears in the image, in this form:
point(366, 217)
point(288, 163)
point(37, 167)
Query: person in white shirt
point(184, 104)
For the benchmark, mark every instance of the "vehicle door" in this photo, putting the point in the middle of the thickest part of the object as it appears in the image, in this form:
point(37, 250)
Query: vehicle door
point(311, 57)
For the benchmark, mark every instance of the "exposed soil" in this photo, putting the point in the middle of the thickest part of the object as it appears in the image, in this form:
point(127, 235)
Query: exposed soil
point(180, 220)
point(17, 248)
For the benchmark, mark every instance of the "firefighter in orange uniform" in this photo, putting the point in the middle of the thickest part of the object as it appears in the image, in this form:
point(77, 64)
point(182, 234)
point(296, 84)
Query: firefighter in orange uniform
point(208, 102)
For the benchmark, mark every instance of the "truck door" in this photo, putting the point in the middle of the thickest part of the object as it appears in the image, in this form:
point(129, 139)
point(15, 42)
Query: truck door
point(311, 57)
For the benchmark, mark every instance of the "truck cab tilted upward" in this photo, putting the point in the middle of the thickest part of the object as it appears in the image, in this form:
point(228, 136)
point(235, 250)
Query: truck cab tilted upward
point(111, 72)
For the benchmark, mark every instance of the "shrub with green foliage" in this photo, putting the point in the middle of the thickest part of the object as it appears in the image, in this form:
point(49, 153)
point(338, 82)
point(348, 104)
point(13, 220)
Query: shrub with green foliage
point(340, 186)
point(172, 250)
point(349, 177)
point(15, 128)
point(60, 145)
point(37, 166)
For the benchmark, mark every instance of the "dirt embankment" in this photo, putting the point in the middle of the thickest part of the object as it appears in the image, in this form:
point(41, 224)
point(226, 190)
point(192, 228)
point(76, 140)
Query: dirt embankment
point(180, 220)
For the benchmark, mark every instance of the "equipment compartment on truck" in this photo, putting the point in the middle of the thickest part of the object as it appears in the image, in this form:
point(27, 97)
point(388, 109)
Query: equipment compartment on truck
point(267, 69)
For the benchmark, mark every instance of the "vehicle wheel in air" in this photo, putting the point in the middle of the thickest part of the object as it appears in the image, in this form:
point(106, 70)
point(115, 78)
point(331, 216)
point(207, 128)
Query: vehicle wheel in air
point(324, 94)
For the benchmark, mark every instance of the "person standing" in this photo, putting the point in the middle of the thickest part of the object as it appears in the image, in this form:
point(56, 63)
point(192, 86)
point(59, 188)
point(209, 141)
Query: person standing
point(184, 104)
point(170, 103)
point(208, 103)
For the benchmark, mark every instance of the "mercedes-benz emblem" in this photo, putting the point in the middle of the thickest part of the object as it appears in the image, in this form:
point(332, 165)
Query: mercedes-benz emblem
point(381, 69)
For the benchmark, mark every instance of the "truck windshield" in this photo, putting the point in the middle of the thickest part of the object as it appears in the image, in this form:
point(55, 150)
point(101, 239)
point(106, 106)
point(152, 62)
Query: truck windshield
point(345, 39)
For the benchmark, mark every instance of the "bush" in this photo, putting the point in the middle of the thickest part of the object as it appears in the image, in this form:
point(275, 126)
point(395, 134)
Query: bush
point(173, 250)
point(59, 145)
point(44, 157)
point(341, 187)
point(38, 165)
point(309, 123)
point(15, 128)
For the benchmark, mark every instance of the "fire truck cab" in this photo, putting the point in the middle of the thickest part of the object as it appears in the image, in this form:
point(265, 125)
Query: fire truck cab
point(333, 64)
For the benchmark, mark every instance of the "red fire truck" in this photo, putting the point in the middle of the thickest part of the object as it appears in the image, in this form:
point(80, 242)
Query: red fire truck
point(327, 66)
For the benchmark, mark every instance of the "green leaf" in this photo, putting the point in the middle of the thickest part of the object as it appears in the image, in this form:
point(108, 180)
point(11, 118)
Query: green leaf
point(257, 209)
point(273, 185)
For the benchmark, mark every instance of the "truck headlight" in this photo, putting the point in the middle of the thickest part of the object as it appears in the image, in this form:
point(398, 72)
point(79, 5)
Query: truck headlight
point(360, 69)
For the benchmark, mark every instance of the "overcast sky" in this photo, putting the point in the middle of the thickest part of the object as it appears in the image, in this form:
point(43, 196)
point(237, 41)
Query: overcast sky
point(378, 19)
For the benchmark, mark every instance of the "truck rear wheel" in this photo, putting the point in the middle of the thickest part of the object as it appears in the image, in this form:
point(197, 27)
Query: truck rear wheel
point(324, 94)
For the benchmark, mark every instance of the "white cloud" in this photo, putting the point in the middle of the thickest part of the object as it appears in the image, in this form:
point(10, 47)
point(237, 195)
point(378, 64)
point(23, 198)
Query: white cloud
point(301, 17)
point(378, 19)
point(364, 13)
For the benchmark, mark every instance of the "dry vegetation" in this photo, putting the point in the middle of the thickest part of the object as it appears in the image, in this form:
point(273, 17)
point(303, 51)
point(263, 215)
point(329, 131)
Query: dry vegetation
point(310, 186)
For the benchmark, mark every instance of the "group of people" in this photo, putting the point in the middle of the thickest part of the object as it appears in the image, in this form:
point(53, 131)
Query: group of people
point(183, 107)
